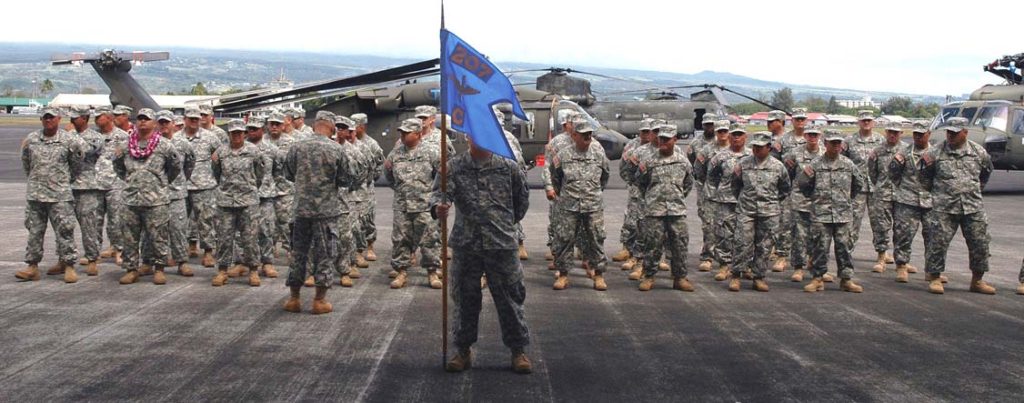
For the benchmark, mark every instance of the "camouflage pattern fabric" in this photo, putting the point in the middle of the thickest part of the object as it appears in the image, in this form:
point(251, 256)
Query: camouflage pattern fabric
point(831, 187)
point(148, 178)
point(61, 216)
point(204, 144)
point(151, 222)
point(239, 174)
point(411, 231)
point(505, 282)
point(754, 236)
point(859, 149)
point(578, 179)
point(721, 171)
point(267, 230)
point(115, 210)
point(318, 167)
point(346, 245)
point(91, 145)
point(835, 235)
point(761, 187)
point(90, 209)
point(907, 219)
point(912, 201)
point(202, 208)
point(941, 227)
point(671, 233)
point(237, 227)
point(314, 247)
point(51, 164)
point(411, 173)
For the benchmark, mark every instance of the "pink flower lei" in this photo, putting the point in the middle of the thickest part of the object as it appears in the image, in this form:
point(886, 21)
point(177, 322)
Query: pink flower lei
point(133, 144)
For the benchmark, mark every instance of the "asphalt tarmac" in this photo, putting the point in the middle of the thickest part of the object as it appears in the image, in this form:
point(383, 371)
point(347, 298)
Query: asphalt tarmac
point(187, 341)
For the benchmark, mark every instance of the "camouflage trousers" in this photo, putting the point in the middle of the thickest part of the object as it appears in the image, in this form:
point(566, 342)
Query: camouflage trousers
point(368, 220)
point(800, 247)
point(203, 211)
point(782, 238)
point(520, 234)
point(238, 226)
point(585, 230)
point(346, 244)
point(61, 216)
point(151, 222)
point(283, 219)
point(504, 280)
point(907, 219)
point(754, 238)
point(115, 210)
point(177, 239)
point(839, 237)
point(630, 235)
point(942, 227)
point(314, 247)
point(267, 237)
point(357, 210)
point(880, 213)
point(725, 220)
point(706, 213)
point(860, 204)
point(664, 232)
point(411, 230)
point(90, 209)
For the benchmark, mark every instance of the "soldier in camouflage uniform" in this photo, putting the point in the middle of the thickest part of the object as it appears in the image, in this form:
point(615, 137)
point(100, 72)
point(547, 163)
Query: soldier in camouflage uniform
point(239, 170)
point(371, 148)
point(707, 209)
point(318, 168)
point(566, 117)
point(123, 118)
point(704, 212)
point(792, 139)
point(634, 209)
point(277, 125)
point(579, 174)
point(955, 172)
point(784, 237)
point(761, 184)
point(90, 194)
point(912, 201)
point(177, 193)
point(411, 168)
point(208, 124)
point(629, 169)
point(148, 164)
point(517, 152)
point(490, 195)
point(107, 178)
point(346, 264)
point(881, 203)
point(52, 159)
point(831, 182)
point(795, 161)
point(858, 147)
point(301, 131)
point(431, 134)
point(664, 180)
point(721, 172)
point(273, 172)
point(202, 187)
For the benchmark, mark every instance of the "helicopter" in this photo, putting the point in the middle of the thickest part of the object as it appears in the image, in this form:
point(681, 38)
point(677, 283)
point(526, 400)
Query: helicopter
point(995, 114)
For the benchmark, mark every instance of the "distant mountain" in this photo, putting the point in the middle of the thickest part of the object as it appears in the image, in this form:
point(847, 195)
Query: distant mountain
point(222, 70)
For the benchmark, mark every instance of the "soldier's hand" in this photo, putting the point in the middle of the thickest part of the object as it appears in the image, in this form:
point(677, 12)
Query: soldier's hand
point(118, 152)
point(550, 194)
point(442, 211)
point(927, 158)
point(898, 157)
point(387, 164)
point(700, 157)
point(790, 163)
point(808, 171)
point(214, 157)
point(778, 147)
point(737, 171)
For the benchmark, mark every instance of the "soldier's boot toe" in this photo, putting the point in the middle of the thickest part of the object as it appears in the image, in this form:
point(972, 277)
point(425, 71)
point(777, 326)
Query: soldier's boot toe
point(399, 280)
point(393, 273)
point(435, 280)
point(346, 280)
point(748, 275)
point(760, 285)
point(354, 272)
point(723, 273)
point(521, 363)
point(705, 265)
point(561, 282)
point(145, 270)
point(208, 260)
point(798, 276)
point(682, 284)
point(630, 263)
point(646, 284)
point(371, 255)
point(193, 249)
point(69, 274)
point(734, 284)
point(57, 268)
point(310, 281)
point(828, 278)
point(30, 273)
point(637, 273)
point(911, 268)
point(816, 284)
point(293, 305)
point(522, 252)
point(91, 269)
point(321, 306)
point(269, 270)
point(83, 261)
point(254, 278)
point(548, 255)
point(361, 261)
point(599, 283)
point(130, 277)
point(462, 361)
point(879, 266)
point(158, 276)
point(935, 286)
point(663, 265)
point(780, 264)
point(942, 278)
point(849, 286)
point(980, 286)
point(621, 255)
point(220, 279)
point(902, 274)
point(889, 259)
point(118, 258)
point(107, 253)
point(1020, 288)
point(235, 271)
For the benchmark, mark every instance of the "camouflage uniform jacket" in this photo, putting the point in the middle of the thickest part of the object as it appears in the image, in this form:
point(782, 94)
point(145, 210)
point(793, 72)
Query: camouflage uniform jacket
point(721, 173)
point(702, 162)
point(411, 174)
point(178, 189)
point(239, 174)
point(858, 149)
point(204, 144)
point(434, 140)
point(273, 168)
point(628, 169)
point(304, 132)
point(105, 174)
point(517, 149)
point(489, 196)
point(579, 178)
point(878, 170)
point(831, 188)
point(795, 161)
point(360, 173)
point(760, 186)
point(91, 144)
point(956, 177)
point(148, 178)
point(284, 186)
point(697, 145)
point(663, 183)
point(218, 133)
point(789, 141)
point(51, 164)
point(909, 189)
point(373, 165)
point(318, 167)
point(550, 151)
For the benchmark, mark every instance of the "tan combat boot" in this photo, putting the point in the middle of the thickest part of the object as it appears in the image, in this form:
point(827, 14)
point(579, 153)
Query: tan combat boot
point(561, 282)
point(848, 285)
point(734, 284)
point(69, 274)
point(158, 276)
point(130, 277)
point(723, 273)
point(902, 274)
point(798, 276)
point(221, 278)
point(637, 273)
point(761, 285)
point(393, 273)
point(522, 252)
point(346, 280)
point(911, 269)
point(400, 279)
point(293, 305)
point(91, 270)
point(361, 261)
point(935, 286)
point(780, 264)
point(236, 270)
point(462, 361)
point(646, 284)
point(599, 283)
point(521, 363)
point(57, 268)
point(269, 270)
point(1020, 289)
point(828, 278)
point(630, 263)
point(30, 273)
point(118, 259)
point(663, 265)
point(254, 278)
point(310, 281)
point(979, 286)
point(83, 261)
point(208, 260)
point(193, 249)
point(435, 280)
point(354, 272)
point(107, 253)
point(879, 263)
point(942, 278)
point(705, 265)
point(889, 259)
point(621, 256)
point(682, 284)
point(184, 270)
point(816, 284)
point(145, 270)
point(370, 254)
point(320, 304)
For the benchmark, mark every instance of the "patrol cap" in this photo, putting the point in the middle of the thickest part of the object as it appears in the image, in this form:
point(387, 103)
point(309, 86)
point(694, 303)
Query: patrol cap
point(499, 115)
point(709, 118)
point(298, 113)
point(275, 117)
point(205, 109)
point(165, 115)
point(236, 125)
point(583, 127)
point(324, 115)
point(894, 127)
point(865, 115)
point(722, 125)
point(645, 124)
point(78, 110)
point(193, 112)
point(123, 110)
point(833, 135)
point(919, 128)
point(761, 139)
point(359, 119)
point(49, 110)
point(955, 124)
point(779, 115)
point(179, 120)
point(425, 111)
point(103, 110)
point(799, 113)
point(667, 131)
point(815, 129)
point(566, 116)
point(344, 121)
point(255, 122)
point(410, 125)
point(147, 113)
point(737, 128)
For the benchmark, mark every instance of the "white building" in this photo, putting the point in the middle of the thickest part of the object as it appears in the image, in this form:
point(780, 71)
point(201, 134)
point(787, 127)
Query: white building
point(865, 102)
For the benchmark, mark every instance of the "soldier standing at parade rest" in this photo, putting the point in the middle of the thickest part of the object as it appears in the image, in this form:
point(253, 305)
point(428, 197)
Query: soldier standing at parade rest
point(761, 185)
point(273, 172)
point(177, 191)
point(783, 236)
point(912, 201)
point(490, 195)
point(704, 212)
point(368, 191)
point(702, 157)
point(720, 174)
point(858, 147)
point(318, 168)
point(955, 172)
point(112, 139)
point(51, 159)
point(579, 174)
point(239, 170)
point(147, 165)
point(831, 182)
point(634, 211)
point(90, 194)
point(663, 181)
point(881, 203)
point(202, 187)
point(795, 161)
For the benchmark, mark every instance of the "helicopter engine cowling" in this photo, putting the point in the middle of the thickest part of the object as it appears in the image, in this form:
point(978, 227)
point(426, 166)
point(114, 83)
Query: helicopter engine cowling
point(572, 88)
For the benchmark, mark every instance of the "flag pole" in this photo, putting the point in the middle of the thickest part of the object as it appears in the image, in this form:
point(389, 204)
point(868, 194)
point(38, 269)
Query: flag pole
point(444, 221)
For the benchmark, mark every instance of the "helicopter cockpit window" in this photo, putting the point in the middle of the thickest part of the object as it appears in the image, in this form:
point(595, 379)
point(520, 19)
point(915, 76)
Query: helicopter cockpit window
point(523, 129)
point(992, 117)
point(968, 113)
point(1018, 122)
point(946, 113)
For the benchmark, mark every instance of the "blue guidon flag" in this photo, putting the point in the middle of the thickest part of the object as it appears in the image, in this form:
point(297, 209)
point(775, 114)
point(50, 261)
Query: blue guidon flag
point(470, 86)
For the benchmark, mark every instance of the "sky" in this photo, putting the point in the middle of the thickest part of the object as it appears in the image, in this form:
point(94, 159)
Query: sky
point(924, 48)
